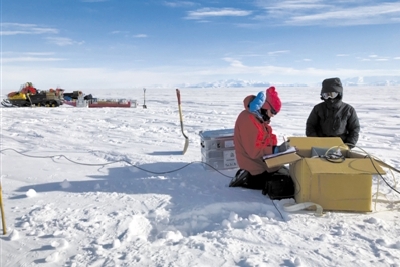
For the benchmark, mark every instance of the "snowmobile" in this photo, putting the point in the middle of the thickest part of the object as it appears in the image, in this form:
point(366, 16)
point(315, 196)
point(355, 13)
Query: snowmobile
point(29, 96)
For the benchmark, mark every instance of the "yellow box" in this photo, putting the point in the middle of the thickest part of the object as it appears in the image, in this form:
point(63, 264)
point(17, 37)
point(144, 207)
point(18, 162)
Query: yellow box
point(336, 186)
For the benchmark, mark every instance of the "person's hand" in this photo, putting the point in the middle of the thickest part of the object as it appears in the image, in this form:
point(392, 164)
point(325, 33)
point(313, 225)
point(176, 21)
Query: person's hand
point(282, 147)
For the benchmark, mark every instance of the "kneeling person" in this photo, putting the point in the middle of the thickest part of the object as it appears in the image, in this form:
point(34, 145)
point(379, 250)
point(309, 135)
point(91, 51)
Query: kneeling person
point(254, 139)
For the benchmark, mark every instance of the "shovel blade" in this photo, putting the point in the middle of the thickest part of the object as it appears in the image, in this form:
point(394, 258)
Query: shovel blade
point(185, 148)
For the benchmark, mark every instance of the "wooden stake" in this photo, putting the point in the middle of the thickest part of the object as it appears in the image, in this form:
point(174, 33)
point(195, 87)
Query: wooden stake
point(3, 218)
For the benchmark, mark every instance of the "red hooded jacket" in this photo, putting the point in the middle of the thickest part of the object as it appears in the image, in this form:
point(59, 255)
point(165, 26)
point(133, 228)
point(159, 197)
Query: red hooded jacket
point(253, 139)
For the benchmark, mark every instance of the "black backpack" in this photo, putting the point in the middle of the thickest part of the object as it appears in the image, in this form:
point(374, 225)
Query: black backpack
point(280, 185)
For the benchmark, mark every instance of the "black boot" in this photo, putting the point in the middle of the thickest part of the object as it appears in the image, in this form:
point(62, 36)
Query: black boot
point(240, 178)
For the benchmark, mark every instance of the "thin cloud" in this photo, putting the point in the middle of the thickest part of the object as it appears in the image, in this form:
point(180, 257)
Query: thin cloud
point(63, 41)
point(119, 32)
point(251, 55)
point(317, 12)
point(140, 36)
point(233, 62)
point(217, 12)
point(292, 5)
point(179, 3)
point(274, 53)
point(378, 58)
point(236, 67)
point(288, 9)
point(361, 15)
point(40, 54)
point(14, 54)
point(31, 59)
point(19, 28)
point(93, 1)
point(397, 58)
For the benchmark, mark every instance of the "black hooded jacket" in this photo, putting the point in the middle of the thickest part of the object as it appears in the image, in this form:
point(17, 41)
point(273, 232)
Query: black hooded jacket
point(337, 120)
point(334, 118)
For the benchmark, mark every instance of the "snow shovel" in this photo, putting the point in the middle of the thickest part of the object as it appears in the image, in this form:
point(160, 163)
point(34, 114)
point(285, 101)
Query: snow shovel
point(3, 218)
point(144, 98)
point(178, 95)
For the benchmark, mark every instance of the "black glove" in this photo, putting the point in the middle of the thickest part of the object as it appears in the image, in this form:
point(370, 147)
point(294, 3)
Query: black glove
point(350, 145)
point(282, 147)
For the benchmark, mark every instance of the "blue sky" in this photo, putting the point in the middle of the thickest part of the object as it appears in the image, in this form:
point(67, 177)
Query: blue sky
point(134, 43)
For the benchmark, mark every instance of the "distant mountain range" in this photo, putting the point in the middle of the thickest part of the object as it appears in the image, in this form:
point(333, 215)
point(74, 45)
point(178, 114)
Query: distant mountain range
point(239, 84)
point(356, 81)
point(372, 81)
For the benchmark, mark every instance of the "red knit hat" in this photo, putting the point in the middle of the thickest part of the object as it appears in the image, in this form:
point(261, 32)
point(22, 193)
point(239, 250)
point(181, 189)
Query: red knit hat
point(272, 99)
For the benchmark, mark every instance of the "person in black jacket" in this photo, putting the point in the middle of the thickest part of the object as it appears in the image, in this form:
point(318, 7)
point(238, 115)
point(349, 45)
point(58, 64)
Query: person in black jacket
point(333, 118)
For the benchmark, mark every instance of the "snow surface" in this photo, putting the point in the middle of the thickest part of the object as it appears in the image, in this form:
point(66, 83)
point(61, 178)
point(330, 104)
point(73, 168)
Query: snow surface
point(110, 187)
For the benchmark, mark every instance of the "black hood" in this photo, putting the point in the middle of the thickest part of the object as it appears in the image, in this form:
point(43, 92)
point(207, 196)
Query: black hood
point(332, 85)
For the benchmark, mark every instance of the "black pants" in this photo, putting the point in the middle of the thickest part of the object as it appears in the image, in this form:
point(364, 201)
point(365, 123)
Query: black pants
point(258, 181)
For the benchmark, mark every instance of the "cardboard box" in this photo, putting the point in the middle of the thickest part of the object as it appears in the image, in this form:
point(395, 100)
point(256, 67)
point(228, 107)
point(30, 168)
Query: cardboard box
point(336, 185)
point(281, 160)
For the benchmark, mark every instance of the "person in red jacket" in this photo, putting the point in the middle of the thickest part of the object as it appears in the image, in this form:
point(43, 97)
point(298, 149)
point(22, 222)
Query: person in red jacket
point(253, 138)
point(28, 88)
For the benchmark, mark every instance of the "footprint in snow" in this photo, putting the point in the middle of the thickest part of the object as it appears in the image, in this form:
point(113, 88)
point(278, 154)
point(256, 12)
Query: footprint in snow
point(52, 257)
